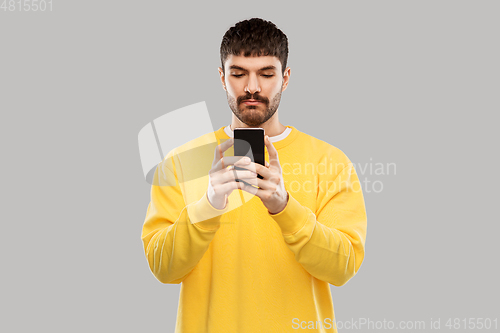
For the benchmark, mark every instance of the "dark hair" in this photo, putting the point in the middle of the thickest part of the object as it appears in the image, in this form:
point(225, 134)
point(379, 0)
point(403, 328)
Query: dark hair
point(255, 37)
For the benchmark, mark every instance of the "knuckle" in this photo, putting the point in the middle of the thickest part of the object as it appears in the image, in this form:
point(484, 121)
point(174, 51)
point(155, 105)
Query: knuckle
point(216, 189)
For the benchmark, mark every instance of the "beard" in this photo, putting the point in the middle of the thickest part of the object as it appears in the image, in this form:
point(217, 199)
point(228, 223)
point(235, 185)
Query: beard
point(254, 115)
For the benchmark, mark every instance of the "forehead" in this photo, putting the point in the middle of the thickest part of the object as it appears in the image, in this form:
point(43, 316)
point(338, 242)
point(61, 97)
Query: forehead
point(252, 63)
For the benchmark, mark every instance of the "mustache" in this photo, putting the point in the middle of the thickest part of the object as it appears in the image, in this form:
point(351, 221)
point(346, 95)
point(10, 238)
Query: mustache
point(255, 97)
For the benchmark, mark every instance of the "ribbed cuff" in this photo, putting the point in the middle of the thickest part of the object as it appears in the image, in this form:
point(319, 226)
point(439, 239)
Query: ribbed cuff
point(203, 215)
point(292, 218)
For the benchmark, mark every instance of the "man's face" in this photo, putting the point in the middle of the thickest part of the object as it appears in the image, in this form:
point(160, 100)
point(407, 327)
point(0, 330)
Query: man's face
point(254, 78)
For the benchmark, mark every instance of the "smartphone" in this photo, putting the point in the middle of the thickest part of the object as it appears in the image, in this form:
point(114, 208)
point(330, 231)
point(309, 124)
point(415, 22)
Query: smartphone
point(250, 142)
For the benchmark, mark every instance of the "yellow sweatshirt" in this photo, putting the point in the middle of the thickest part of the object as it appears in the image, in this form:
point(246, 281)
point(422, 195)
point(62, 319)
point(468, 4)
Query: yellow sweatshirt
point(243, 269)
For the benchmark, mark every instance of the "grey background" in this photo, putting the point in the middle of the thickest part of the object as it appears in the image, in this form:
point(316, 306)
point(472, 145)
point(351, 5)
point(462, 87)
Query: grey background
point(408, 82)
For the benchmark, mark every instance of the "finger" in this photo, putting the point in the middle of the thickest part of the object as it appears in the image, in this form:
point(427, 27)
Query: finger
point(273, 153)
point(249, 181)
point(221, 148)
point(226, 144)
point(227, 188)
point(249, 178)
point(240, 166)
point(253, 190)
point(232, 175)
point(266, 185)
point(231, 160)
point(260, 169)
point(237, 160)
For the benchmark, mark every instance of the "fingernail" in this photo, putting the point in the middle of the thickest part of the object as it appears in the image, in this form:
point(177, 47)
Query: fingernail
point(246, 160)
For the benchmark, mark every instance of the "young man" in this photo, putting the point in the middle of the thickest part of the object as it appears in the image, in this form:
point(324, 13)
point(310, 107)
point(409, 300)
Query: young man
point(255, 260)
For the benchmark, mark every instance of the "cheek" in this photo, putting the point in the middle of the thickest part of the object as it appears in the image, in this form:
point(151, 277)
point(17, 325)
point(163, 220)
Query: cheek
point(233, 89)
point(273, 88)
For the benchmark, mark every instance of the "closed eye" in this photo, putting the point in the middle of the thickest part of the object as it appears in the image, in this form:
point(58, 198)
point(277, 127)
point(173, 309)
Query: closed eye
point(240, 75)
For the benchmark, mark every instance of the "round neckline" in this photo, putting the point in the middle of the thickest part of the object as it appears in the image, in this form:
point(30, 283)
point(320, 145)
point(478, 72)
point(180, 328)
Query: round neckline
point(278, 144)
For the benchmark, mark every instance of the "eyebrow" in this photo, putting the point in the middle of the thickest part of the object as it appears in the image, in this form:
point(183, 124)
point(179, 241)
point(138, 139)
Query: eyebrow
point(260, 70)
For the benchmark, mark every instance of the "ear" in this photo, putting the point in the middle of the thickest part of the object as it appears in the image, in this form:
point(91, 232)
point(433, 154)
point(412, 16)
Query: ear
point(222, 78)
point(286, 78)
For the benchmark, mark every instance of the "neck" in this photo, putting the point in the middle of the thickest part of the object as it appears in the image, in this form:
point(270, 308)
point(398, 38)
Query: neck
point(272, 127)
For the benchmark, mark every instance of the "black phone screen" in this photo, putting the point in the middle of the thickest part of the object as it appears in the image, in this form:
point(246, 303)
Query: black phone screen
point(250, 142)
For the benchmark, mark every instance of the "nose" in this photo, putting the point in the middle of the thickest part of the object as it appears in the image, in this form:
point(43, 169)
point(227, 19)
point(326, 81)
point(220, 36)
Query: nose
point(252, 85)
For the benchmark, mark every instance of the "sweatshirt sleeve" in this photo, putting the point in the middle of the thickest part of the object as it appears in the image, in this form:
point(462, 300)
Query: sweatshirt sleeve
point(330, 244)
point(175, 236)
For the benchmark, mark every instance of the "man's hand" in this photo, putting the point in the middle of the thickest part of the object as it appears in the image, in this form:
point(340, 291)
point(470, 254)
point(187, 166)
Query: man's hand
point(222, 180)
point(271, 190)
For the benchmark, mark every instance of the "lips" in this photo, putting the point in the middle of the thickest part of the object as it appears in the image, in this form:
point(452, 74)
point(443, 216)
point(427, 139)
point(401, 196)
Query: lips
point(251, 102)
